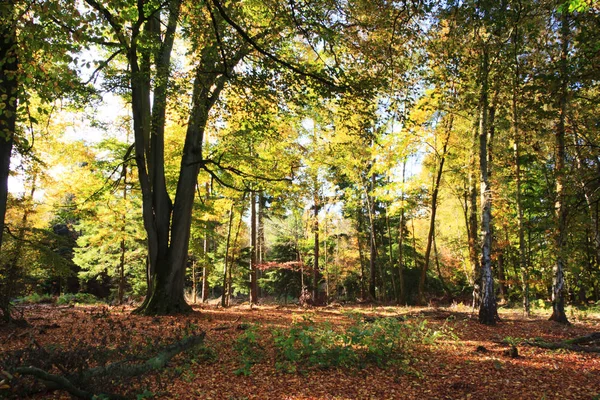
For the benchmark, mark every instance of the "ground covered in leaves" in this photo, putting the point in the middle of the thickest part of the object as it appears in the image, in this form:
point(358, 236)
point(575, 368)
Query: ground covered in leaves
point(447, 354)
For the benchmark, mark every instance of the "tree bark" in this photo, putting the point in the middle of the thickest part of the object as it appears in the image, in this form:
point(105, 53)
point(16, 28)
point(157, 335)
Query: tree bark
point(401, 294)
point(434, 196)
point(391, 251)
point(9, 87)
point(372, 243)
point(253, 249)
point(316, 269)
point(558, 282)
point(519, 203)
point(472, 225)
point(226, 261)
point(487, 306)
point(361, 254)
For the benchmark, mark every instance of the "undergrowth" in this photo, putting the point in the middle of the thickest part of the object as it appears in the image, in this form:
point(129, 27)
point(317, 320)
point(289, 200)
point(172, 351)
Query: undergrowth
point(383, 342)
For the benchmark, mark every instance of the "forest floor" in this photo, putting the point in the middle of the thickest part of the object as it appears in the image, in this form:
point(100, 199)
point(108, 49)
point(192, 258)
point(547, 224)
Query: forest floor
point(468, 360)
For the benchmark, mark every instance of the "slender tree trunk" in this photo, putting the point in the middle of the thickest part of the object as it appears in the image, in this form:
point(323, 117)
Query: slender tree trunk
point(225, 263)
point(372, 242)
point(261, 227)
point(325, 259)
point(502, 288)
point(472, 227)
point(517, 160)
point(194, 282)
point(121, 292)
point(439, 271)
point(253, 250)
point(260, 236)
point(434, 196)
point(361, 255)
point(558, 282)
point(231, 264)
point(519, 203)
point(391, 253)
point(204, 283)
point(487, 306)
point(9, 88)
point(401, 293)
point(316, 271)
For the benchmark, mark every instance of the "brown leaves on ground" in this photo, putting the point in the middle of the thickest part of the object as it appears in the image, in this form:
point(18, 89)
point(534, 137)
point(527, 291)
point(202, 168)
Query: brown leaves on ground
point(453, 368)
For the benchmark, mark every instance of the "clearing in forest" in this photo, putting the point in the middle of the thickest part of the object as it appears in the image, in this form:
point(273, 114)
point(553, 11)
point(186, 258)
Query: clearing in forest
point(275, 352)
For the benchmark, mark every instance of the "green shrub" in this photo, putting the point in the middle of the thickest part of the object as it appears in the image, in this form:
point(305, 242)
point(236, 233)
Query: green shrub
point(80, 298)
point(249, 350)
point(35, 298)
point(383, 342)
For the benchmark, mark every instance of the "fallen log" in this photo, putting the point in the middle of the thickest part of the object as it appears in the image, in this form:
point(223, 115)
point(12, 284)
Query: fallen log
point(580, 344)
point(72, 383)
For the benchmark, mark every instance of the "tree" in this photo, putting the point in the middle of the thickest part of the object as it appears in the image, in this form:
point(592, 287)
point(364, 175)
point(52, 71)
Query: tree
point(9, 87)
point(558, 282)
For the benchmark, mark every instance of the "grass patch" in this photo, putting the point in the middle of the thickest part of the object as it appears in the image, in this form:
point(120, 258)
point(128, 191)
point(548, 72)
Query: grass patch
point(77, 298)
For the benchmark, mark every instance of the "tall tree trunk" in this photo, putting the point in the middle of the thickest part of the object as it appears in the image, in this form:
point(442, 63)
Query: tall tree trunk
point(592, 205)
point(194, 282)
point(439, 271)
point(204, 283)
point(235, 241)
point(325, 255)
point(253, 250)
point(9, 88)
point(372, 242)
point(168, 282)
point(361, 254)
point(434, 196)
point(261, 227)
point(260, 236)
point(558, 282)
point(497, 251)
point(391, 253)
point(472, 227)
point(517, 160)
point(226, 261)
point(121, 292)
point(401, 294)
point(316, 271)
point(487, 305)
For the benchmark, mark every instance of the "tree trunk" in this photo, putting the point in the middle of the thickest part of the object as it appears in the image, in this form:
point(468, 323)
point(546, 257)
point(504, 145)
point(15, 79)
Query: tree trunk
point(9, 87)
point(472, 223)
point(235, 241)
point(226, 261)
point(439, 271)
point(361, 254)
point(253, 249)
point(558, 282)
point(204, 283)
point(434, 195)
point(401, 294)
point(517, 159)
point(325, 255)
point(166, 291)
point(487, 306)
point(391, 251)
point(121, 292)
point(316, 271)
point(372, 243)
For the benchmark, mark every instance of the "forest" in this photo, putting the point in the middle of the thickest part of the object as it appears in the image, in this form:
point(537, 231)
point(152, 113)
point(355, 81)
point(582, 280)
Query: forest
point(272, 198)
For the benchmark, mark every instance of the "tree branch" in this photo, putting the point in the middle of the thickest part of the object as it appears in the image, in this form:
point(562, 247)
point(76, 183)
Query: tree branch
point(117, 27)
point(265, 53)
